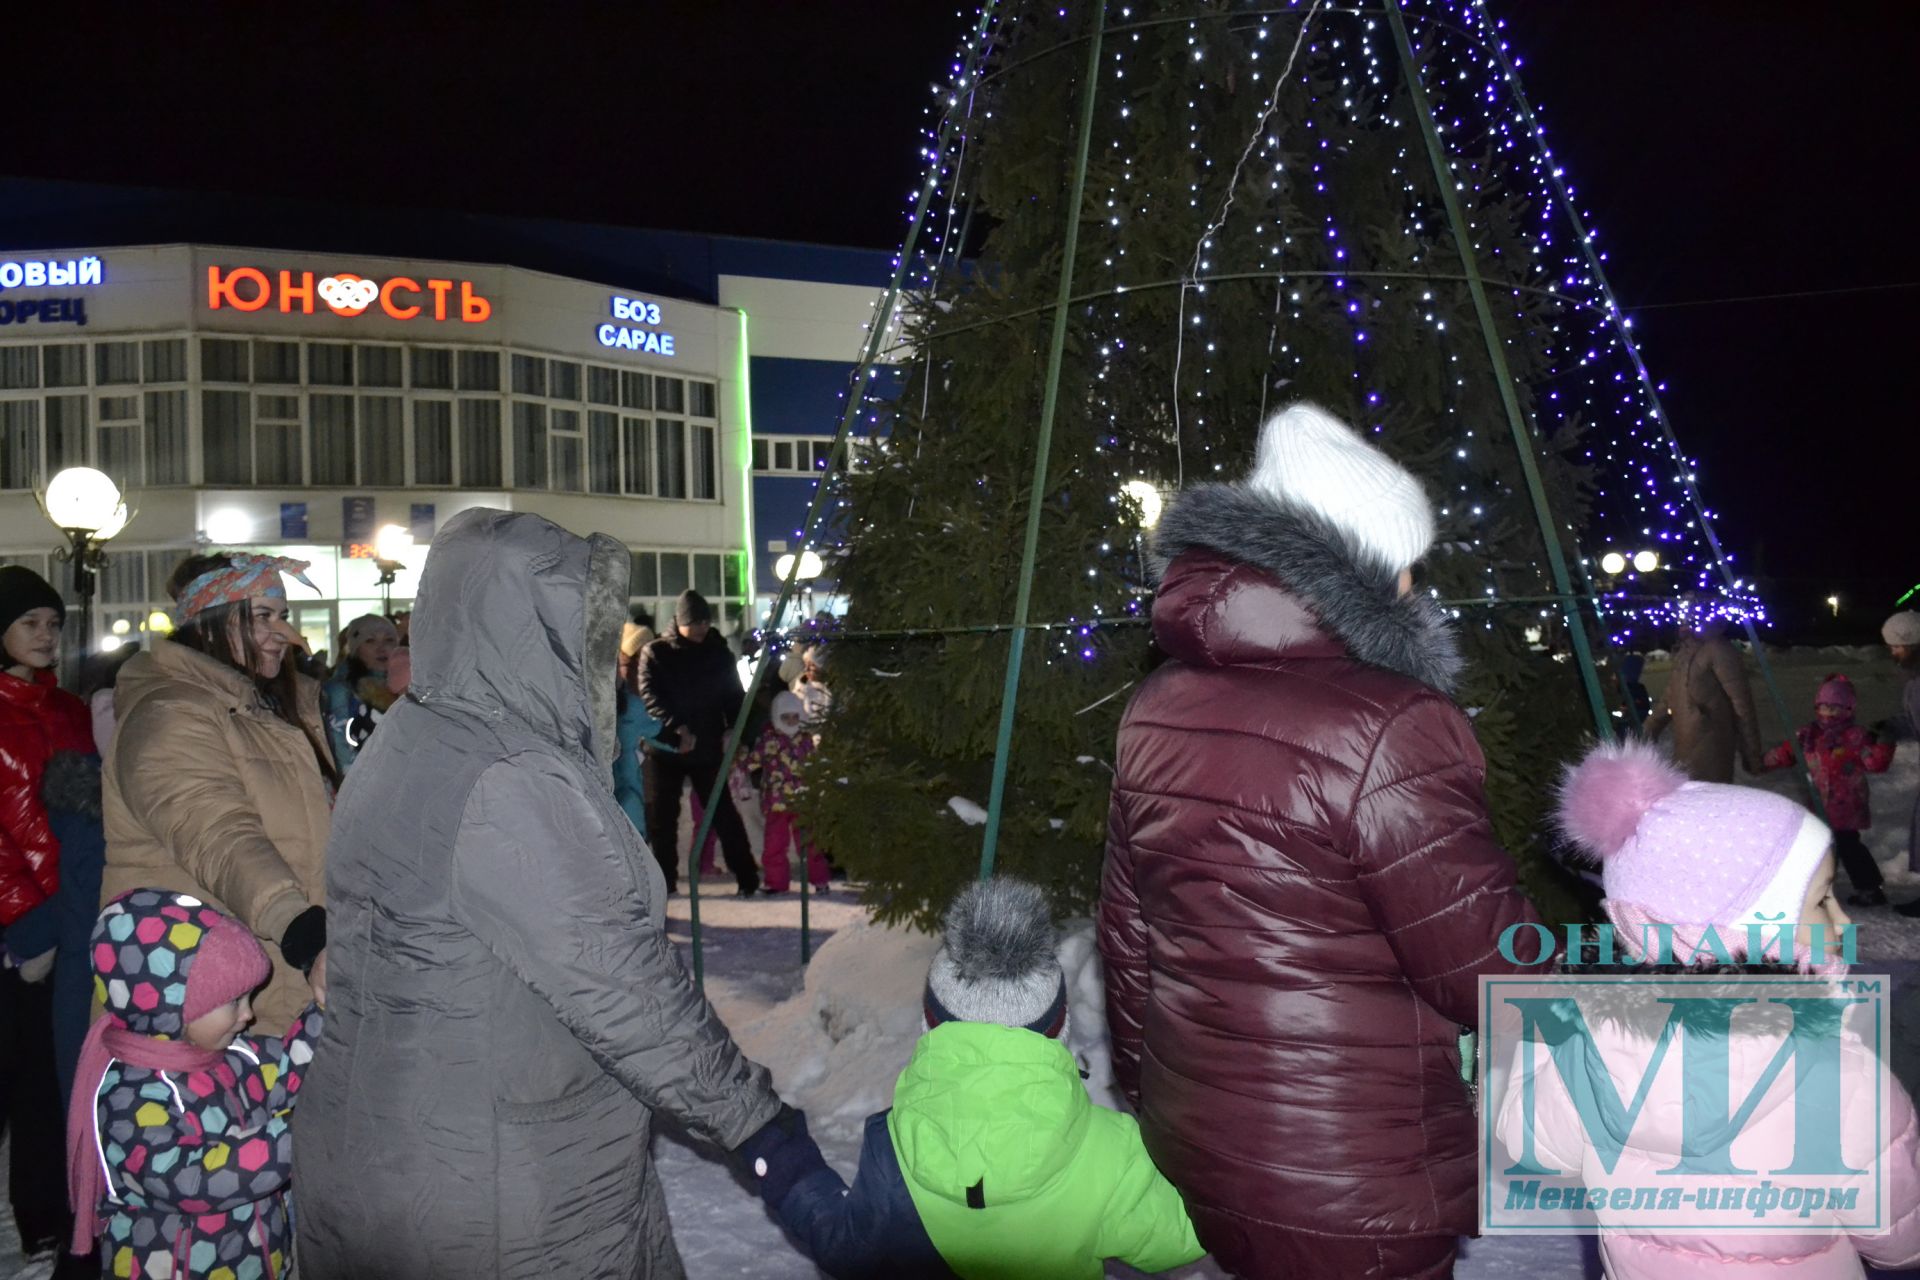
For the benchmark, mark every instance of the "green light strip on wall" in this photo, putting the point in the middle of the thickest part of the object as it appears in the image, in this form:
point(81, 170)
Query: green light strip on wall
point(749, 580)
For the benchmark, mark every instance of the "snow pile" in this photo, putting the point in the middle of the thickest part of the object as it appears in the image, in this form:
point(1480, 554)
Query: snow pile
point(836, 1048)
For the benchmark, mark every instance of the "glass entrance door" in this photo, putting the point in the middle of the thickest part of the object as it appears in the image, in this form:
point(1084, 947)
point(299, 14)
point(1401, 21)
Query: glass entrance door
point(318, 626)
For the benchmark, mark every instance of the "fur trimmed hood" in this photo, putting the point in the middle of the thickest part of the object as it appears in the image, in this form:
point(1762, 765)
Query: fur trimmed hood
point(1301, 557)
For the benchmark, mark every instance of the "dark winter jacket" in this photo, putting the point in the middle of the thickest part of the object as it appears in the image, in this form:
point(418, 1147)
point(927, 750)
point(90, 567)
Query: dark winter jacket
point(692, 686)
point(1839, 757)
point(505, 1008)
point(993, 1165)
point(37, 718)
point(1302, 889)
point(71, 790)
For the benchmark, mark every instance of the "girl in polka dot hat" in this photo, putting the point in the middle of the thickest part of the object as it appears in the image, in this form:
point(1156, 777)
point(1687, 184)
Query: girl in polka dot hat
point(178, 1147)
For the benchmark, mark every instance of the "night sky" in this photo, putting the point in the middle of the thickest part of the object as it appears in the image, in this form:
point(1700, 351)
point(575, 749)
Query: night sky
point(1725, 148)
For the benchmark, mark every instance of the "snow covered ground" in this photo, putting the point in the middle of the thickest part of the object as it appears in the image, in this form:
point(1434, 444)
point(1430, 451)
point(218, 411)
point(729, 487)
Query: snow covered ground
point(836, 1033)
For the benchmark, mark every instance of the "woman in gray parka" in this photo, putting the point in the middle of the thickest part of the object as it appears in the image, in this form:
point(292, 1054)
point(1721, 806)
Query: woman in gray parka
point(505, 1011)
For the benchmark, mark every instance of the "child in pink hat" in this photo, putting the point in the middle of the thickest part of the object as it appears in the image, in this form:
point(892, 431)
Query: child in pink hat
point(178, 1150)
point(1840, 754)
point(1687, 856)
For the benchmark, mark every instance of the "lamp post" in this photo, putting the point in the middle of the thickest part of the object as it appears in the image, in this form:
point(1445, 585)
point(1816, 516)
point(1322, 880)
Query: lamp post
point(803, 569)
point(86, 506)
point(389, 544)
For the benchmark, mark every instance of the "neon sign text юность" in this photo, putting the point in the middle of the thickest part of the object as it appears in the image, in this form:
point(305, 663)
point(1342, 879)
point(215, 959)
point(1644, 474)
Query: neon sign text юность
point(346, 294)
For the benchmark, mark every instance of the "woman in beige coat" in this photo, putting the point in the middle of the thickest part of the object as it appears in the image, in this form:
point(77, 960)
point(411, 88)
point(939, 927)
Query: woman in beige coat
point(221, 783)
point(1710, 705)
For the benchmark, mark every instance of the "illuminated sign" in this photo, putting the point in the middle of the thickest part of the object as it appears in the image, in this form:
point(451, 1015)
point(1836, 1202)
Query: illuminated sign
point(345, 294)
point(44, 310)
point(47, 273)
point(641, 333)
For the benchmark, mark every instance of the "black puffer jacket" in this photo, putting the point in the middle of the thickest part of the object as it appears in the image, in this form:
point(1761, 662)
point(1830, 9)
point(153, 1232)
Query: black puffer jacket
point(692, 686)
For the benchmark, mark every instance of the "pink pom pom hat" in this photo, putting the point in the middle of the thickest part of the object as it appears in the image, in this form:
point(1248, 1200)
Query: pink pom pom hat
point(1688, 854)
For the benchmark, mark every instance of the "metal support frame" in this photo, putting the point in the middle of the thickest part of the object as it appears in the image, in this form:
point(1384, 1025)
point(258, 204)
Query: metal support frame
point(836, 461)
point(1036, 497)
point(1618, 317)
point(1502, 376)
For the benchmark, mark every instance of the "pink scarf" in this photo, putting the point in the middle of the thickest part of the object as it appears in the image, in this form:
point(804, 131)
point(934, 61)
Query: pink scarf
point(107, 1040)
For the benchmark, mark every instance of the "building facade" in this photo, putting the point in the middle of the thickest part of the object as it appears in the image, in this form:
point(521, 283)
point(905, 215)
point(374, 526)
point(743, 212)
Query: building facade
point(298, 402)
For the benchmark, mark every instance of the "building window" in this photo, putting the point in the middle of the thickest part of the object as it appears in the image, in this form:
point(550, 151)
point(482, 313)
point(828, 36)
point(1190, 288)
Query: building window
point(479, 370)
point(19, 368)
point(673, 573)
point(644, 579)
point(480, 443)
point(332, 415)
point(433, 368)
point(529, 445)
point(706, 574)
point(166, 437)
point(379, 366)
point(638, 470)
point(66, 418)
point(433, 441)
point(636, 391)
point(670, 458)
point(701, 404)
point(563, 379)
point(165, 359)
point(64, 365)
point(669, 395)
point(276, 439)
point(566, 450)
point(276, 362)
point(383, 438)
point(529, 375)
point(226, 433)
point(330, 364)
point(223, 360)
point(116, 363)
point(603, 385)
point(791, 455)
point(117, 438)
point(706, 480)
point(19, 444)
point(603, 451)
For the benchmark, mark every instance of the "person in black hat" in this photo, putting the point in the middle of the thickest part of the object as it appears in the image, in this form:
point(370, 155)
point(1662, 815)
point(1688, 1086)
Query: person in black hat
point(693, 689)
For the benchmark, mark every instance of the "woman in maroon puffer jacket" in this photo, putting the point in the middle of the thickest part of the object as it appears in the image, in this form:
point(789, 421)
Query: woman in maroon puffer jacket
point(1302, 886)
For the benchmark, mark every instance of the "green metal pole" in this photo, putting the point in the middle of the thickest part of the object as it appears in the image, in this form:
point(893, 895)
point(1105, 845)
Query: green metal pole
point(1652, 389)
point(856, 395)
point(1056, 354)
point(1502, 376)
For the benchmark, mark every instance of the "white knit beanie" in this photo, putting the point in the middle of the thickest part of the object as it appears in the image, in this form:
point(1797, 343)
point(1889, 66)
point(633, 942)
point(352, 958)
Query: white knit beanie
point(1902, 628)
point(1309, 459)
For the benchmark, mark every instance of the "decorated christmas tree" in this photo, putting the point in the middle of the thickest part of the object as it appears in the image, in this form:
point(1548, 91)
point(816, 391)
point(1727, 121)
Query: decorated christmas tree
point(1260, 224)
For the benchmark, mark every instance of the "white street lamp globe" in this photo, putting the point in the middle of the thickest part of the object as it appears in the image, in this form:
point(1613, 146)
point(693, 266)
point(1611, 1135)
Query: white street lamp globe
point(810, 567)
point(1144, 493)
point(1646, 561)
point(1613, 562)
point(115, 523)
point(84, 499)
point(229, 527)
point(392, 542)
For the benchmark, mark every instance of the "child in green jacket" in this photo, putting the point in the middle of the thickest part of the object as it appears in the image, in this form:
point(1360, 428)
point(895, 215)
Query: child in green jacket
point(993, 1163)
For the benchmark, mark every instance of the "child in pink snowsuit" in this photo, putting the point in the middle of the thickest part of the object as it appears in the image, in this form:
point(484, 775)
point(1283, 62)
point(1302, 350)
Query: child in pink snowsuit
point(1840, 754)
point(1688, 855)
point(776, 759)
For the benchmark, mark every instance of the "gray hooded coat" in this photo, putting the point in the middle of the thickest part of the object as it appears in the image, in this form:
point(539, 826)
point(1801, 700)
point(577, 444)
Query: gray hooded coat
point(505, 1011)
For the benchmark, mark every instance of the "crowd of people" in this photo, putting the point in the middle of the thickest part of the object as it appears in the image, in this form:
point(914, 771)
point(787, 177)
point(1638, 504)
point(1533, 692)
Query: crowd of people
point(438, 879)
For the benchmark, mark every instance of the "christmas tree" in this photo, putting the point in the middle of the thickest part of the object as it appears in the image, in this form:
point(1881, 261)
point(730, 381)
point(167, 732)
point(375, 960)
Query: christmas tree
point(1260, 224)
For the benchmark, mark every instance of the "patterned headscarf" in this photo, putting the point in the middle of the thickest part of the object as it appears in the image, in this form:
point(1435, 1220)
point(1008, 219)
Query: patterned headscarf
point(245, 577)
